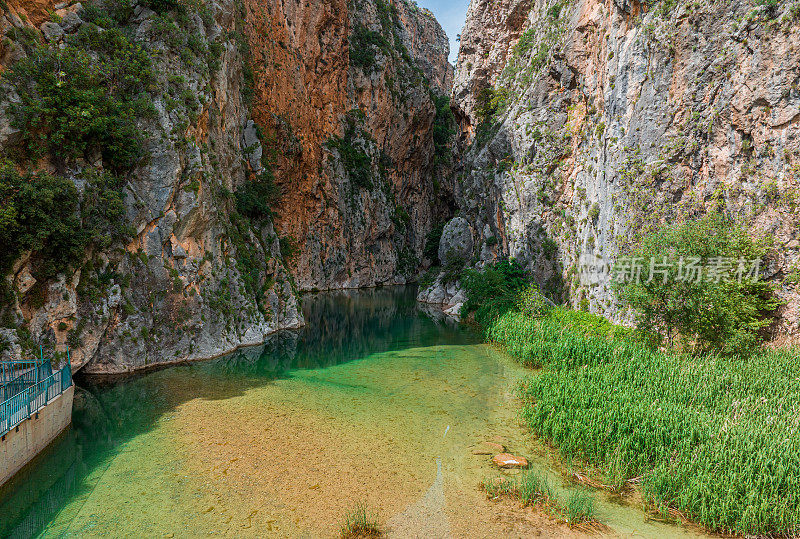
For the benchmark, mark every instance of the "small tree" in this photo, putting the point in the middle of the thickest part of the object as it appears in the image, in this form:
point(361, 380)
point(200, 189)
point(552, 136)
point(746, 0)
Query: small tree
point(696, 283)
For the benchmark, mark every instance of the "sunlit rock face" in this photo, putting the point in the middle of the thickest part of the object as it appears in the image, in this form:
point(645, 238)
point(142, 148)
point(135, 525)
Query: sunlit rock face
point(304, 89)
point(355, 224)
point(612, 116)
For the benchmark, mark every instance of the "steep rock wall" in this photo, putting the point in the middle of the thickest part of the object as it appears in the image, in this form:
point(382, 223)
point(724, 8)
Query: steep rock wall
point(347, 86)
point(241, 89)
point(590, 120)
point(176, 290)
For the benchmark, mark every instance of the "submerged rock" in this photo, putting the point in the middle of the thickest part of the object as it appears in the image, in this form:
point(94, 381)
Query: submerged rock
point(489, 448)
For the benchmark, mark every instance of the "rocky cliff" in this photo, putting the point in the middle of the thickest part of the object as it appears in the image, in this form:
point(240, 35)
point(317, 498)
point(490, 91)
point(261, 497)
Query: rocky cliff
point(175, 172)
point(349, 90)
point(587, 121)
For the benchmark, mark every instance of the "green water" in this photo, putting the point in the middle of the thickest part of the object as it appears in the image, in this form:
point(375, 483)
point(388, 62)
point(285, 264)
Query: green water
point(376, 402)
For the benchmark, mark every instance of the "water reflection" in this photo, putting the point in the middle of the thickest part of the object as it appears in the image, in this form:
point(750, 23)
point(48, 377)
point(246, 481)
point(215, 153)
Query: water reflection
point(341, 327)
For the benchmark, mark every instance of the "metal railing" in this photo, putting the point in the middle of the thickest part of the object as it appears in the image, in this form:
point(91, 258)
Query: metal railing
point(30, 400)
point(29, 377)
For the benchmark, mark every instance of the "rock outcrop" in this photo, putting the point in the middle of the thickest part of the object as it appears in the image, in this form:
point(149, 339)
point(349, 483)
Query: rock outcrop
point(590, 120)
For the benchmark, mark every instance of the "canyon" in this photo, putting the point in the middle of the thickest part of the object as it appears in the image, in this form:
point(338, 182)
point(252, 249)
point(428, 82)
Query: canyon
point(570, 128)
point(333, 107)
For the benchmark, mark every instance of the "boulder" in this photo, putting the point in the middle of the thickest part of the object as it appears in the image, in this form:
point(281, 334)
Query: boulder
point(457, 242)
point(507, 460)
point(52, 31)
point(25, 280)
point(70, 22)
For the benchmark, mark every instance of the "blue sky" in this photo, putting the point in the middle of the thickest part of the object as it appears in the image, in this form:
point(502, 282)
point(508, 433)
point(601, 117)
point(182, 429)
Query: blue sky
point(451, 14)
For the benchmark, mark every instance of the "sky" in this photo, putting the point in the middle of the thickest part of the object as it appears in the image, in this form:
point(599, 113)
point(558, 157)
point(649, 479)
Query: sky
point(451, 14)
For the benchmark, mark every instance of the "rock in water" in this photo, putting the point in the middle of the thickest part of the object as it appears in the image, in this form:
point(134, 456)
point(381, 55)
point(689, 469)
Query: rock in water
point(488, 448)
point(507, 460)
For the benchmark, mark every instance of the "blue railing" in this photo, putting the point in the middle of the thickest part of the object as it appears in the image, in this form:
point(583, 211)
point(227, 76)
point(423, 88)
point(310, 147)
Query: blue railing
point(28, 378)
point(30, 400)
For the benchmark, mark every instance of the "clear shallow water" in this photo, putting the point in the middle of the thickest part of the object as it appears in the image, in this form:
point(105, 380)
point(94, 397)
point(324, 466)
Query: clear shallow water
point(375, 402)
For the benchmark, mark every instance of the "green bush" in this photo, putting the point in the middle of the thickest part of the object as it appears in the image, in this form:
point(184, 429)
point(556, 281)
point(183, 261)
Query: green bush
point(40, 214)
point(255, 199)
point(726, 315)
point(532, 303)
point(490, 105)
point(363, 45)
point(432, 240)
point(44, 214)
point(443, 126)
point(83, 98)
point(493, 291)
point(103, 210)
point(355, 159)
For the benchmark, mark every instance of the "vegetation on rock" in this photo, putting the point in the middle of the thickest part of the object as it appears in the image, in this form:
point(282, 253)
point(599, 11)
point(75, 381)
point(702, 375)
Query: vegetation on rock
point(44, 214)
point(82, 99)
point(352, 151)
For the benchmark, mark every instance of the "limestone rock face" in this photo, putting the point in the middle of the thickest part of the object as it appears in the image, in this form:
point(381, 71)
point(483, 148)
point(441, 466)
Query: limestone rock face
point(178, 290)
point(336, 98)
point(329, 95)
point(601, 118)
point(457, 242)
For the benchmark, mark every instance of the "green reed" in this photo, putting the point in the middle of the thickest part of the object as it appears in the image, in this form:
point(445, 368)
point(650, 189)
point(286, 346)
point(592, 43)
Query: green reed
point(717, 439)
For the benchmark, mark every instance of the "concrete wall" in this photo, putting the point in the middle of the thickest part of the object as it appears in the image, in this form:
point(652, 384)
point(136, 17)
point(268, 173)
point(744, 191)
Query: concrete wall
point(30, 437)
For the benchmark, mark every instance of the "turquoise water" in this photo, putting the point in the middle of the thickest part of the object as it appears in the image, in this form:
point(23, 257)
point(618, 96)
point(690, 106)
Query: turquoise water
point(376, 401)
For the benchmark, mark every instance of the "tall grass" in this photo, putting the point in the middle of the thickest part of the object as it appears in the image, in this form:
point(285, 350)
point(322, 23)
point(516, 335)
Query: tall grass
point(715, 438)
point(532, 489)
point(579, 507)
point(360, 523)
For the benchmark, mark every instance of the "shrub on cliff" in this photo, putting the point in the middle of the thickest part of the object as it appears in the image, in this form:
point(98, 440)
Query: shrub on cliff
point(39, 213)
point(364, 44)
point(256, 198)
point(352, 150)
point(82, 99)
point(689, 289)
point(45, 214)
point(443, 127)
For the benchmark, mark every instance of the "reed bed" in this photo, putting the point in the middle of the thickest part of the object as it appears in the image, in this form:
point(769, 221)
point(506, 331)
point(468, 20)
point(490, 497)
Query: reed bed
point(532, 489)
point(715, 439)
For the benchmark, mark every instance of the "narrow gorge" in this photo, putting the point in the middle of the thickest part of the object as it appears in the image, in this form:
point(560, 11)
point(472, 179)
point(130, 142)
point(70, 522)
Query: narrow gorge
point(283, 148)
point(312, 276)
